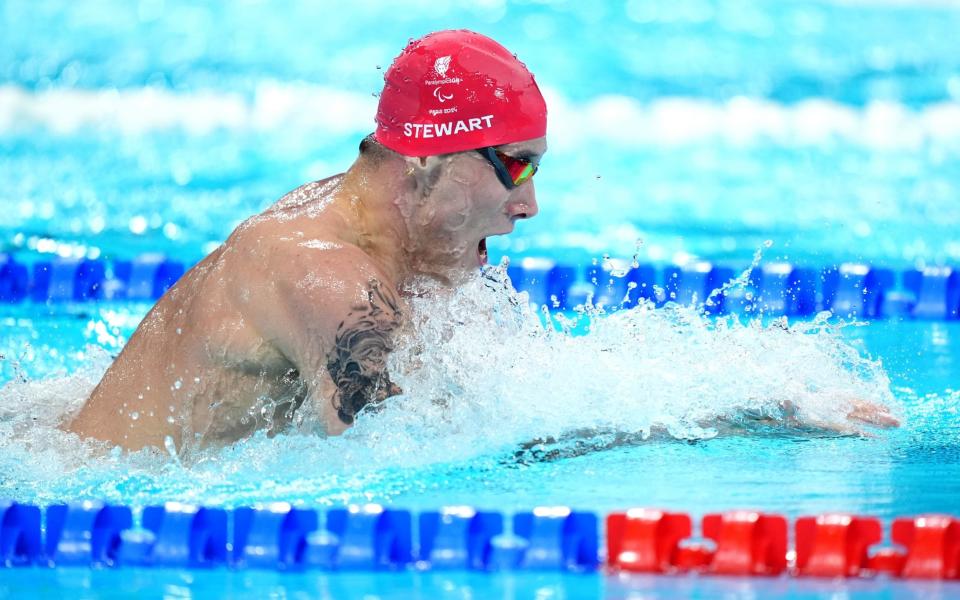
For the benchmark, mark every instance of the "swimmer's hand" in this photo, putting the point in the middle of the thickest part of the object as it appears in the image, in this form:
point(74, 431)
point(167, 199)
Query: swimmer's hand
point(872, 414)
point(861, 412)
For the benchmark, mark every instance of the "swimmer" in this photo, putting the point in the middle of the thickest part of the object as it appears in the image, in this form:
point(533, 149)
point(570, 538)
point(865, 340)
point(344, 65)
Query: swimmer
point(292, 318)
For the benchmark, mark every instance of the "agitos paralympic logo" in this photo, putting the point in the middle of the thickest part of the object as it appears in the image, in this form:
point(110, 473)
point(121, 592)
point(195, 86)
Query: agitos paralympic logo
point(439, 95)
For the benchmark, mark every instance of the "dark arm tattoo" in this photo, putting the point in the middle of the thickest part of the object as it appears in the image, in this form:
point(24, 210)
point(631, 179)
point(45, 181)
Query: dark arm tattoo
point(358, 361)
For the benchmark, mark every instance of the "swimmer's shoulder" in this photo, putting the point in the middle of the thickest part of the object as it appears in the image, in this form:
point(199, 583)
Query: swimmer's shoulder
point(326, 265)
point(306, 198)
point(305, 269)
point(316, 286)
point(300, 215)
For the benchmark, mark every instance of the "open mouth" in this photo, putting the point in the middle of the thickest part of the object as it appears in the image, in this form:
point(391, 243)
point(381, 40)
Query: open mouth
point(482, 251)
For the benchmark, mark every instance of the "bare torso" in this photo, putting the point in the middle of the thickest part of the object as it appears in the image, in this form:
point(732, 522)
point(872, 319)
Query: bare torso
point(247, 339)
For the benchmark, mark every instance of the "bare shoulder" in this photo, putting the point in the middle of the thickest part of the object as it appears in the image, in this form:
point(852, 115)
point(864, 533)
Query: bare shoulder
point(308, 198)
point(299, 289)
point(328, 271)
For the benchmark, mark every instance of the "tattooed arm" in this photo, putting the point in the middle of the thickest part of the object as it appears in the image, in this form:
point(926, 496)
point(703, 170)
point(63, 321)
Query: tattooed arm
point(334, 317)
point(357, 364)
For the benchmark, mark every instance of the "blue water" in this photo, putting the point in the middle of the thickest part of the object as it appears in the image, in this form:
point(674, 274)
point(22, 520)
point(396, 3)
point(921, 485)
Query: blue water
point(910, 470)
point(702, 127)
point(88, 583)
point(677, 130)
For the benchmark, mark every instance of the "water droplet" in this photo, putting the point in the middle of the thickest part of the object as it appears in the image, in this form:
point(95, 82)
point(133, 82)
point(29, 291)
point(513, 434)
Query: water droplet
point(179, 331)
point(171, 420)
point(134, 415)
point(767, 243)
point(139, 396)
point(178, 384)
point(170, 446)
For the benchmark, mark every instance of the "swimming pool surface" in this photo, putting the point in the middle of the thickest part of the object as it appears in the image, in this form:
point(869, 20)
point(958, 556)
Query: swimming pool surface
point(815, 132)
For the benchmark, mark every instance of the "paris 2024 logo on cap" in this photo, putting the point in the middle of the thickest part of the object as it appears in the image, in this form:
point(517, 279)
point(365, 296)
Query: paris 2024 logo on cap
point(441, 65)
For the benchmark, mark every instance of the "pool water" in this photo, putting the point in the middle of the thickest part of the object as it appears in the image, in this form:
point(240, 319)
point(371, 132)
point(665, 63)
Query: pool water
point(599, 462)
point(86, 583)
point(815, 131)
point(703, 127)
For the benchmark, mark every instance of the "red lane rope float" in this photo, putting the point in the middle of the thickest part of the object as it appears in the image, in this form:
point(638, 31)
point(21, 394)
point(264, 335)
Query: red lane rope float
point(647, 540)
point(754, 543)
point(748, 543)
point(835, 545)
point(933, 546)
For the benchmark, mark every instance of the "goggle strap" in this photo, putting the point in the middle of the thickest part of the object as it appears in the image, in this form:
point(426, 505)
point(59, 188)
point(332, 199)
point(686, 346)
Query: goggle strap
point(491, 155)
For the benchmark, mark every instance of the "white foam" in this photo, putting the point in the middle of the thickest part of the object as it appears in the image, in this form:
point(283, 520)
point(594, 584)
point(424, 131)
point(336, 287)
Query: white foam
point(273, 106)
point(296, 108)
point(481, 376)
point(677, 121)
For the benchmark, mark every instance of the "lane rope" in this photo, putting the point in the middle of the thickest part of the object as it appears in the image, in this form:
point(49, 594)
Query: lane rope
point(772, 289)
point(371, 537)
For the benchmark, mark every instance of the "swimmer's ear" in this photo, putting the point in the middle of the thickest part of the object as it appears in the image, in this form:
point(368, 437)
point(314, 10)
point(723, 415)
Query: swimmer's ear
point(425, 170)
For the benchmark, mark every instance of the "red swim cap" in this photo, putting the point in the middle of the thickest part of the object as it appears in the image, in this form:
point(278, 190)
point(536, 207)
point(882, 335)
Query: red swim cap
point(452, 91)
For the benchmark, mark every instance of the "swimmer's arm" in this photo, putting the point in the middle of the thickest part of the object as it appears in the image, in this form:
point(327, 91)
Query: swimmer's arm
point(357, 364)
point(338, 338)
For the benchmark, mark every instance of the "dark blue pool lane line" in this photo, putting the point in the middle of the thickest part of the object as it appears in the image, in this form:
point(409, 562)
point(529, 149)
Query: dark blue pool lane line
point(773, 289)
point(279, 536)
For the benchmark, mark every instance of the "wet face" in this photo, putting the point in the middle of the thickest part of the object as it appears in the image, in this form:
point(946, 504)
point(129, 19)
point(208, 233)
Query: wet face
point(464, 203)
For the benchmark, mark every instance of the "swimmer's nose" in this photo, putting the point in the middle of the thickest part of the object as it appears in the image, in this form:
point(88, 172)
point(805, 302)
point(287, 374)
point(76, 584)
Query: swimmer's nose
point(524, 203)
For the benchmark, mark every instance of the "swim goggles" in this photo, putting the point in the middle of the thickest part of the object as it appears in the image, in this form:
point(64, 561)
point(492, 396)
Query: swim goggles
point(511, 171)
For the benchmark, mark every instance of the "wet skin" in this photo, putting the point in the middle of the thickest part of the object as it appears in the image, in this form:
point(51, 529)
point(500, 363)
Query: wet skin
point(291, 319)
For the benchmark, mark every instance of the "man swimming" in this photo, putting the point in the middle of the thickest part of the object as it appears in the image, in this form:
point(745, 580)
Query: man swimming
point(292, 317)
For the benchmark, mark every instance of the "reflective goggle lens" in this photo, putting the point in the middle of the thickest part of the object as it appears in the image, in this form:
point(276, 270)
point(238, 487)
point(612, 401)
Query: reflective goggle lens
point(520, 170)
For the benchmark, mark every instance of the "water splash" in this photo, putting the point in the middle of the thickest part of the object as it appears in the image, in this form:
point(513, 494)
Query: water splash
point(636, 371)
point(485, 376)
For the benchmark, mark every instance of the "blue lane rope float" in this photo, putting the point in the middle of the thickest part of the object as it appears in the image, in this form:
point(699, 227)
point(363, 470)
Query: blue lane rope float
point(282, 537)
point(773, 289)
